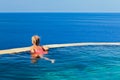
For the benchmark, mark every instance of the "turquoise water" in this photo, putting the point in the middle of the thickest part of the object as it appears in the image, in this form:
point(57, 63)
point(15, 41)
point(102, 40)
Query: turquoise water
point(78, 63)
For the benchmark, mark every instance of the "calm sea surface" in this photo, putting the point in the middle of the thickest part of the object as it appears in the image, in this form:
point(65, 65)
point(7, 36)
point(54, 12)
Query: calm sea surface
point(78, 63)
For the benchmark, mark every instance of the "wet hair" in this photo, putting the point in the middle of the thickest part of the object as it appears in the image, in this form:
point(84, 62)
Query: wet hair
point(35, 40)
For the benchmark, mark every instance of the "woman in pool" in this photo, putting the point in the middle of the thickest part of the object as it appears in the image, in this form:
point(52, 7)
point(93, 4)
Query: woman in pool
point(38, 51)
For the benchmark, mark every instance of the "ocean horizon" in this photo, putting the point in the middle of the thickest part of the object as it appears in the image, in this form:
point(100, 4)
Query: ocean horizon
point(78, 62)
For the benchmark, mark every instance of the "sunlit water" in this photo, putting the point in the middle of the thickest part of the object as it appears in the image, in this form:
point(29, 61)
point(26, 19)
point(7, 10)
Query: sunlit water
point(72, 63)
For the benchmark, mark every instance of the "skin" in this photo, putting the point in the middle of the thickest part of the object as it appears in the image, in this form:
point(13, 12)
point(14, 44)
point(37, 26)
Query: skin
point(35, 57)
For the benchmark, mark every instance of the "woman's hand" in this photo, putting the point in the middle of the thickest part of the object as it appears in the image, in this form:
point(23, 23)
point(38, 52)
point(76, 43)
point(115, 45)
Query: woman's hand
point(45, 48)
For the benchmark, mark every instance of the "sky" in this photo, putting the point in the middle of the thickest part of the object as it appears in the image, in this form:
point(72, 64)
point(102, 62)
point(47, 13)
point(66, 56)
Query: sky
point(59, 5)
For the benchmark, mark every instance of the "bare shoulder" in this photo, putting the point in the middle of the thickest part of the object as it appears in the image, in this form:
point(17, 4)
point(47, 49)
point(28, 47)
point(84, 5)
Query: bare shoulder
point(31, 47)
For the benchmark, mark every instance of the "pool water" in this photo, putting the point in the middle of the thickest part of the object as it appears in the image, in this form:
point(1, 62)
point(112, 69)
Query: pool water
point(72, 63)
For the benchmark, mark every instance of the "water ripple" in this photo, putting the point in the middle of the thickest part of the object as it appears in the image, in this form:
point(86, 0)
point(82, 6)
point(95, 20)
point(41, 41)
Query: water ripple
point(79, 63)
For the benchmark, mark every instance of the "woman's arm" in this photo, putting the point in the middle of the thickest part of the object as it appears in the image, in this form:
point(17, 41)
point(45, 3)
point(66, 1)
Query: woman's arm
point(45, 48)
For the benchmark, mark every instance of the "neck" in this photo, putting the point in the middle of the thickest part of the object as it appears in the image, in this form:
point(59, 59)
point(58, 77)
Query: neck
point(35, 45)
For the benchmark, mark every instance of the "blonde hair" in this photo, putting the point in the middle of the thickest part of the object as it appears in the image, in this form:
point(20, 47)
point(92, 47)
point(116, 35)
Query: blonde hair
point(35, 40)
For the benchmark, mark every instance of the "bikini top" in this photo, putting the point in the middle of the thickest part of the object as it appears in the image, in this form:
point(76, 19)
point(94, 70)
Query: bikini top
point(39, 50)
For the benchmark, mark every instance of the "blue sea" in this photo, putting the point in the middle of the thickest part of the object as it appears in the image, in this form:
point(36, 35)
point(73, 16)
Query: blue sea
point(72, 63)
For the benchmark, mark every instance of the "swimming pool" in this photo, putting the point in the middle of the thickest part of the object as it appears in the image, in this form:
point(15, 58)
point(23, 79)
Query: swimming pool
point(78, 63)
